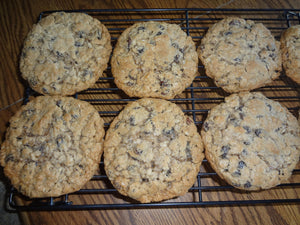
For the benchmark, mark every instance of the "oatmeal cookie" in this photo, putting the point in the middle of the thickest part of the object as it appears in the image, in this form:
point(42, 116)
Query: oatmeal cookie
point(154, 59)
point(240, 55)
point(53, 146)
point(251, 141)
point(152, 151)
point(65, 53)
point(290, 47)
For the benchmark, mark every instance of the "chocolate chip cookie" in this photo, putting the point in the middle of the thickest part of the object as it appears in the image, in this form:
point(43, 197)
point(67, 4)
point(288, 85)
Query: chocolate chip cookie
point(65, 53)
point(152, 151)
point(240, 55)
point(53, 146)
point(290, 47)
point(251, 141)
point(154, 59)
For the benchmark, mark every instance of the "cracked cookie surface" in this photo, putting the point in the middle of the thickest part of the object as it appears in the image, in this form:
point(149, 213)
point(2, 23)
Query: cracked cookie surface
point(290, 47)
point(240, 55)
point(251, 141)
point(154, 59)
point(53, 146)
point(152, 151)
point(65, 53)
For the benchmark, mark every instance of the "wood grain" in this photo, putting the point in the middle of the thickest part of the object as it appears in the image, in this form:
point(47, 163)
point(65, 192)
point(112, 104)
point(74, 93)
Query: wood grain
point(17, 18)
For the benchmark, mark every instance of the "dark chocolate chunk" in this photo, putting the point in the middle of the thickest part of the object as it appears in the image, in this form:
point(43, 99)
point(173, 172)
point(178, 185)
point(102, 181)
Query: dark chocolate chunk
point(205, 126)
point(258, 132)
point(247, 184)
point(224, 150)
point(132, 121)
point(247, 128)
point(241, 165)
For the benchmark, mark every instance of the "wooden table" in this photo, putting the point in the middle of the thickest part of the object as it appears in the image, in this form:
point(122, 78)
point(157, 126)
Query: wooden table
point(17, 18)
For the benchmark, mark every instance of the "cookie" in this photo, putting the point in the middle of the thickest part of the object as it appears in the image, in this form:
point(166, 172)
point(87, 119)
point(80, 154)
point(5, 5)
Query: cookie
point(53, 146)
point(65, 53)
point(152, 151)
point(290, 47)
point(240, 55)
point(251, 141)
point(154, 59)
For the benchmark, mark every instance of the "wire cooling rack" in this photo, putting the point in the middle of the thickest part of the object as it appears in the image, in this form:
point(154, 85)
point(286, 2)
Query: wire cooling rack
point(196, 101)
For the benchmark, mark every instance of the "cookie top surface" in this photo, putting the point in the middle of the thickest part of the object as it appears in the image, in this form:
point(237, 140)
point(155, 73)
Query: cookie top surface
point(240, 55)
point(290, 47)
point(53, 146)
point(65, 53)
point(154, 59)
point(152, 151)
point(251, 141)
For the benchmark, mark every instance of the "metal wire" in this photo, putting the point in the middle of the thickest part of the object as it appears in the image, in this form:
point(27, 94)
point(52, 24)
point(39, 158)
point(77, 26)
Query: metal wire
point(195, 22)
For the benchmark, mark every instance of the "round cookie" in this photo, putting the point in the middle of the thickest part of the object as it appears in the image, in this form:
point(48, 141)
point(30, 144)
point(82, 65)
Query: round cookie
point(53, 146)
point(65, 53)
point(251, 141)
point(290, 47)
point(154, 59)
point(240, 55)
point(152, 151)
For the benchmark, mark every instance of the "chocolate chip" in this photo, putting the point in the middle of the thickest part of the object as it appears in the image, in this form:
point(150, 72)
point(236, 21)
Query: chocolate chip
point(237, 173)
point(8, 158)
point(175, 45)
point(28, 112)
point(227, 33)
point(258, 132)
point(128, 43)
point(130, 84)
point(224, 150)
point(132, 121)
point(168, 172)
point(244, 152)
point(33, 81)
point(159, 33)
point(78, 44)
point(247, 128)
point(171, 133)
point(242, 116)
point(59, 54)
point(205, 126)
point(145, 180)
point(87, 72)
point(247, 184)
point(80, 34)
point(241, 165)
point(188, 152)
point(99, 34)
point(45, 90)
point(176, 59)
point(234, 23)
point(247, 143)
point(250, 46)
point(164, 83)
point(269, 106)
point(237, 60)
point(138, 151)
point(59, 103)
point(141, 28)
point(59, 141)
point(141, 50)
point(161, 27)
